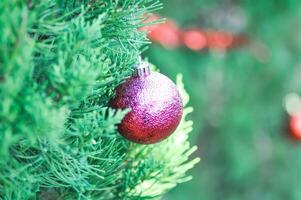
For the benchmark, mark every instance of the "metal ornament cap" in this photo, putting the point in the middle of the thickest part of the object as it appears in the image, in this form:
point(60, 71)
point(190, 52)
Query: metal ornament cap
point(156, 107)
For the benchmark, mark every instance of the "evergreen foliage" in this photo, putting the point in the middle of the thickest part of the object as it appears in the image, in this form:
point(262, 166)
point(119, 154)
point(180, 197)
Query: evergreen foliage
point(59, 64)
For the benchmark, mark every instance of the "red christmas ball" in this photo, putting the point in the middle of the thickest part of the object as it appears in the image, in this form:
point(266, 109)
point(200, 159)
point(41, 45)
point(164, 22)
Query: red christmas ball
point(155, 103)
point(295, 126)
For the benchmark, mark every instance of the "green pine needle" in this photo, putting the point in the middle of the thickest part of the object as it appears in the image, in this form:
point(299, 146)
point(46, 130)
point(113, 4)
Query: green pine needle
point(59, 64)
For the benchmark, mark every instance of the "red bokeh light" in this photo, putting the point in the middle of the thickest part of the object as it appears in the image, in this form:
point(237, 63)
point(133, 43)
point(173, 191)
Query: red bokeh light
point(152, 27)
point(194, 39)
point(219, 40)
point(167, 34)
point(295, 126)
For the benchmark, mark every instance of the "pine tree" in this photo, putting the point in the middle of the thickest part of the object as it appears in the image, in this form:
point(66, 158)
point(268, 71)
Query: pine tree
point(59, 64)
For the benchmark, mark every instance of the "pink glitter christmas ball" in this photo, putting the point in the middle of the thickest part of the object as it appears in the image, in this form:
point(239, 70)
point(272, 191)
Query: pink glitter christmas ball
point(156, 107)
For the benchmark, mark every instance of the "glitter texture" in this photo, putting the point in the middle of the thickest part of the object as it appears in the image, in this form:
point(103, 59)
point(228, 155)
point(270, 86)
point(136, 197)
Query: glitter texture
point(156, 108)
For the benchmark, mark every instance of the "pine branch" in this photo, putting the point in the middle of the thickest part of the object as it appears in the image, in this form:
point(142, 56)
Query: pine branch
point(59, 65)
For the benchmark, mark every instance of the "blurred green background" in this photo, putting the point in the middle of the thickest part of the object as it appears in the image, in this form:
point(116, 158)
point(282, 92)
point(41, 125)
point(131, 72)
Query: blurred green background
point(240, 123)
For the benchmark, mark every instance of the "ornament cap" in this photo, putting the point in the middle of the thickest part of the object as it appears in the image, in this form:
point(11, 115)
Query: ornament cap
point(142, 68)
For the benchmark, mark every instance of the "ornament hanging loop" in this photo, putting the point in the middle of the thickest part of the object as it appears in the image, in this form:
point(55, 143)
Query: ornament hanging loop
point(142, 68)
